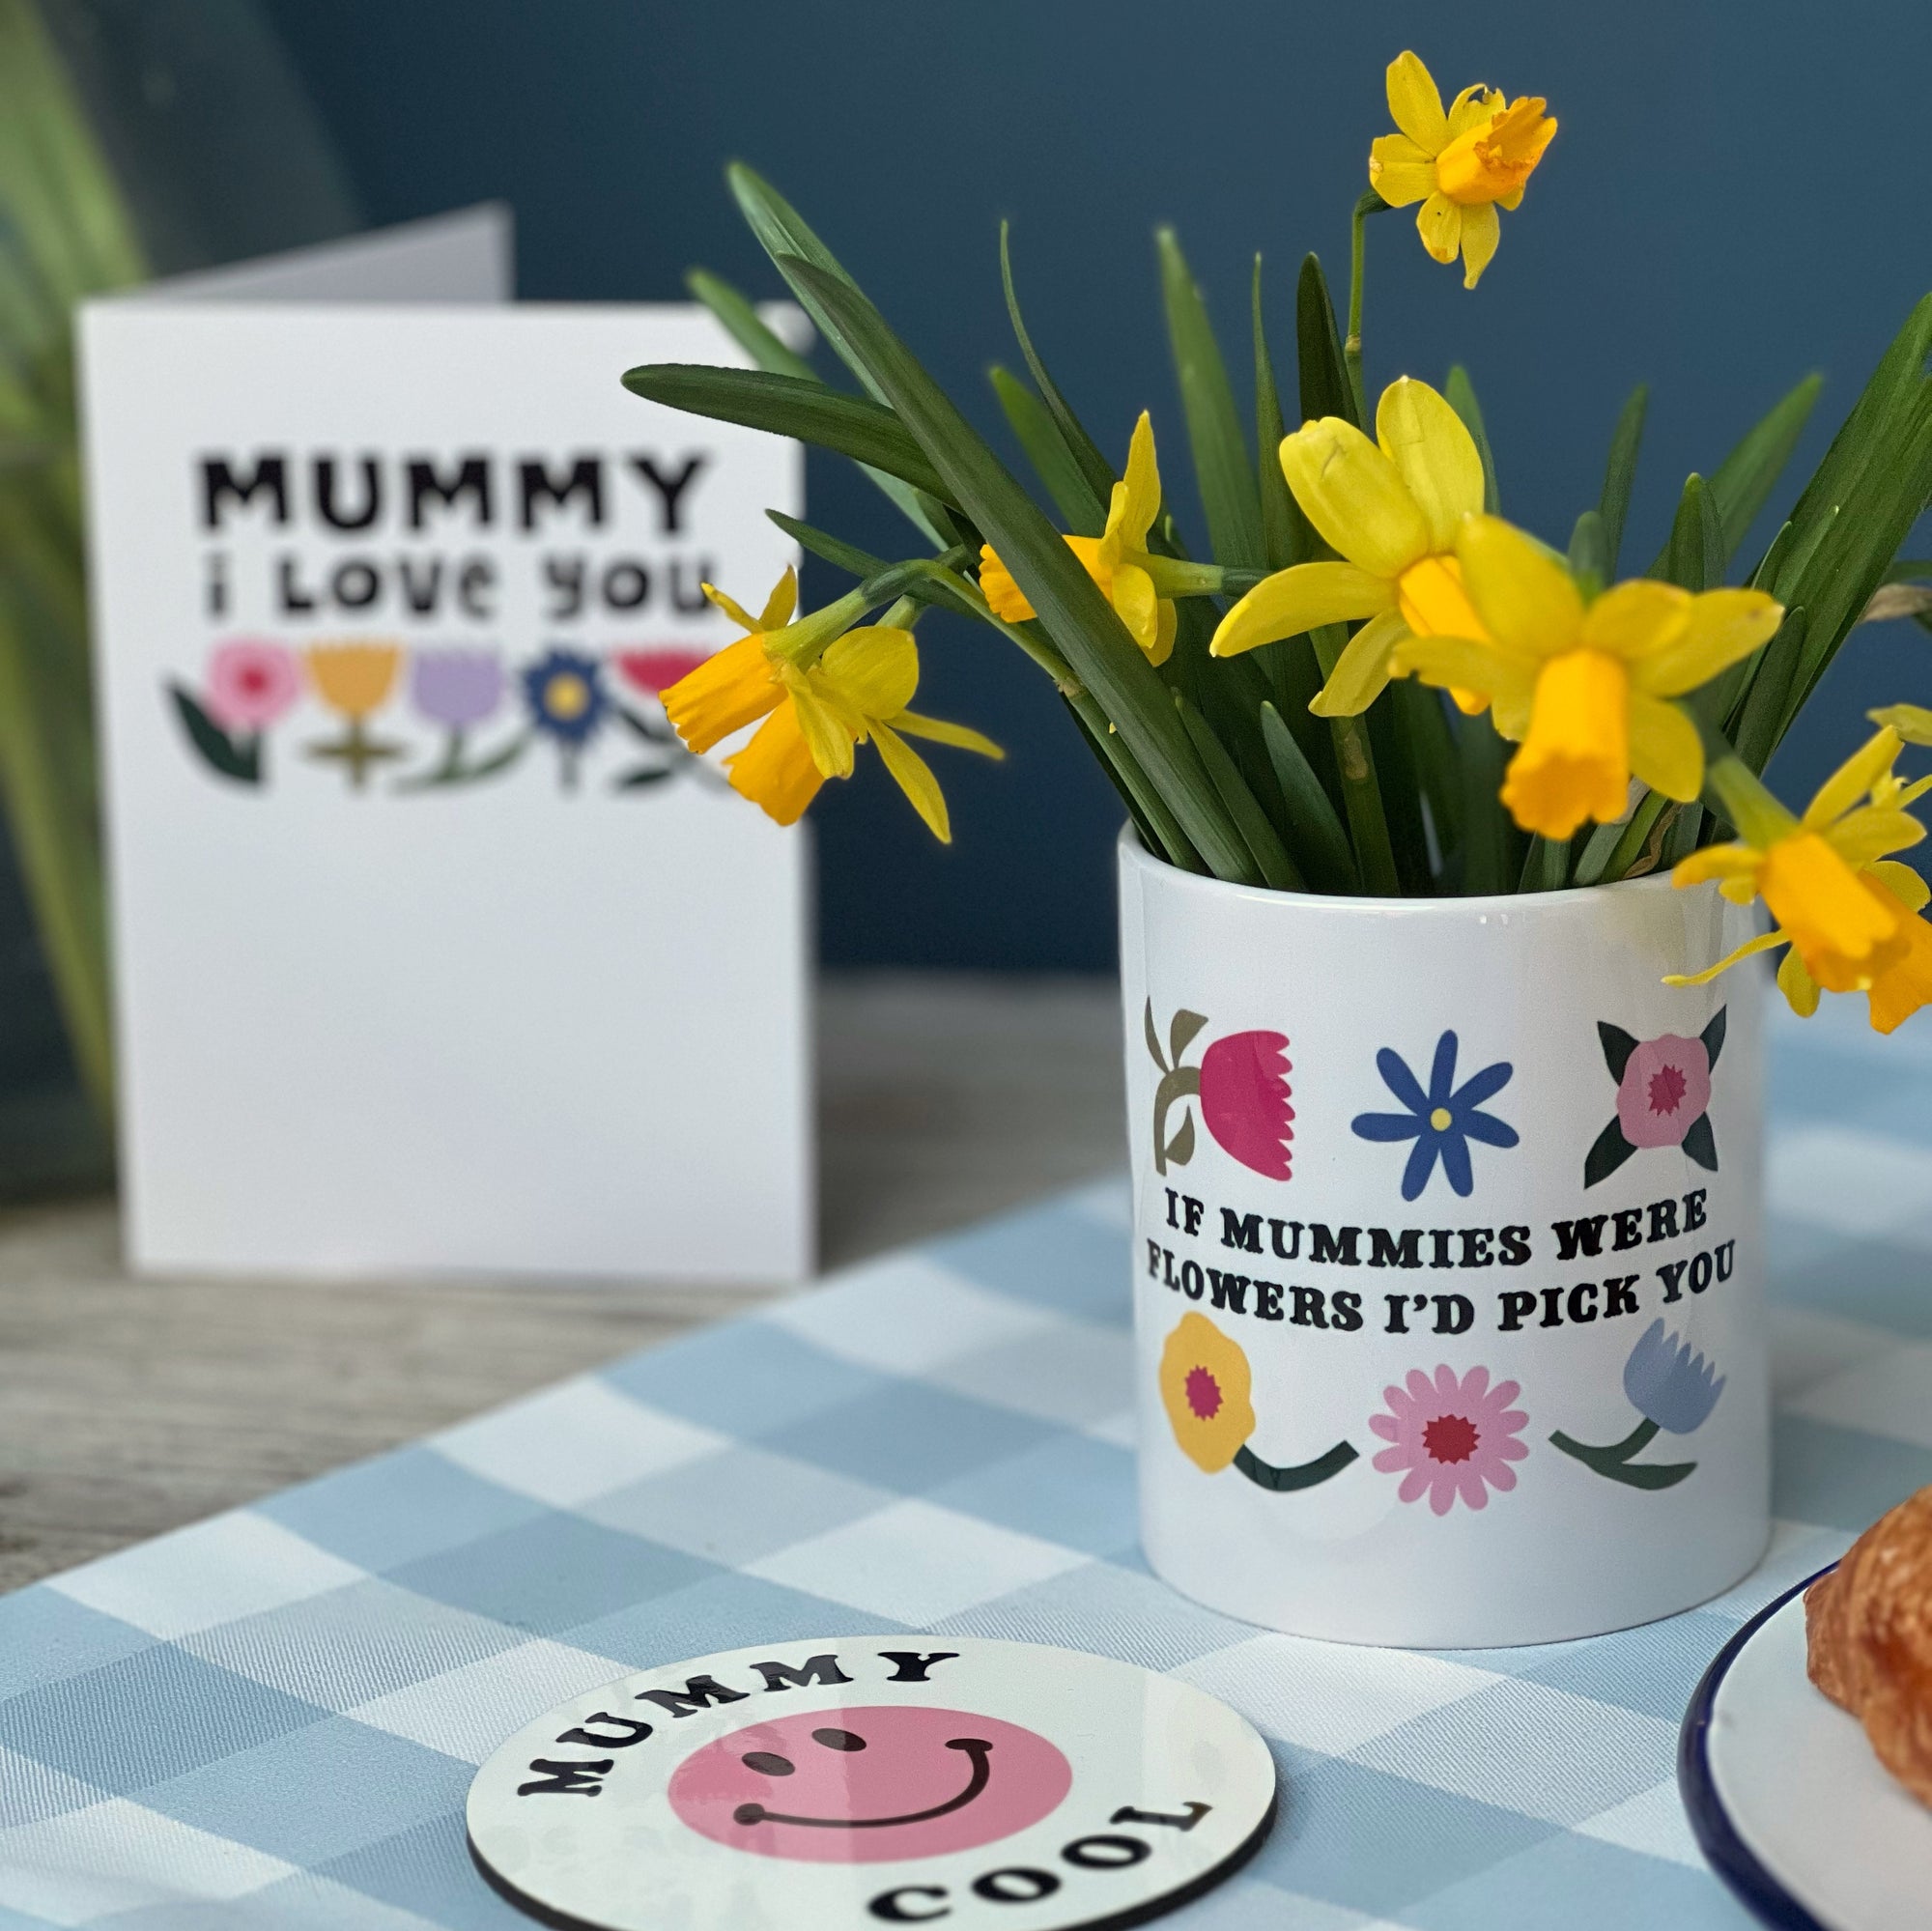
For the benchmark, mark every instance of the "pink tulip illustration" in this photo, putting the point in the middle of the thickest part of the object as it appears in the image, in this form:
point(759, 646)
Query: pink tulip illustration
point(251, 683)
point(1241, 1084)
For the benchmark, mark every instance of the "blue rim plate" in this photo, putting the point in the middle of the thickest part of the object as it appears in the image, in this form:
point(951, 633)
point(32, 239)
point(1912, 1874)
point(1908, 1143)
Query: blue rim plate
point(1786, 1798)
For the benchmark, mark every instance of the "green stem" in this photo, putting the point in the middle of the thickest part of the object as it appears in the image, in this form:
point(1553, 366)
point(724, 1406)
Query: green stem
point(1303, 1475)
point(1352, 350)
point(1361, 795)
point(1613, 1460)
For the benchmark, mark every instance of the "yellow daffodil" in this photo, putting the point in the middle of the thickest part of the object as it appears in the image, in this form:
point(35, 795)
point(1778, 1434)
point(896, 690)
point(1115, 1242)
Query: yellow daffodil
point(818, 700)
point(1116, 559)
point(1391, 508)
point(1462, 163)
point(1584, 689)
point(1205, 1386)
point(1847, 910)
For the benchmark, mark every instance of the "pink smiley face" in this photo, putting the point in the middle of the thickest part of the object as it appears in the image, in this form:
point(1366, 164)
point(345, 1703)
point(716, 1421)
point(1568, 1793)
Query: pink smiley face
point(869, 1786)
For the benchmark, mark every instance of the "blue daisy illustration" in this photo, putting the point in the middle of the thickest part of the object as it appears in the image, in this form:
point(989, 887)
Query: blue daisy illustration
point(568, 702)
point(1443, 1121)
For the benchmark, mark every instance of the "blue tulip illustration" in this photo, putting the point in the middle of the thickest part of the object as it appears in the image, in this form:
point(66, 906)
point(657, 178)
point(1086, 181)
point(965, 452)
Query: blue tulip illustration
point(1674, 1390)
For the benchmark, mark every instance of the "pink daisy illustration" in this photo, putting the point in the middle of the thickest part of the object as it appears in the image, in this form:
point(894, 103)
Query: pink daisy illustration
point(1452, 1438)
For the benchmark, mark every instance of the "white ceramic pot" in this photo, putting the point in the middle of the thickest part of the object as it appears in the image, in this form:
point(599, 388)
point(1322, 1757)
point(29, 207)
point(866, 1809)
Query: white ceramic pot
point(1447, 1260)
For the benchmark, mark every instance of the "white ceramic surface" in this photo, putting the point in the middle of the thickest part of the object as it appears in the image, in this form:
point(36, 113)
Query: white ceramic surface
point(837, 1783)
point(1397, 1382)
point(1790, 1777)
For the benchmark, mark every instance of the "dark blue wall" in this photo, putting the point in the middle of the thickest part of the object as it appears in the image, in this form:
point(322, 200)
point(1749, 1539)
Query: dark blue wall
point(1738, 194)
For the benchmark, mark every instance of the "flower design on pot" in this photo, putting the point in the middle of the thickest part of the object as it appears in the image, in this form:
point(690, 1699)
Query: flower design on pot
point(1241, 1085)
point(354, 680)
point(567, 700)
point(1441, 1121)
point(1663, 1096)
point(1451, 1438)
point(654, 668)
point(1206, 1389)
point(252, 683)
point(459, 688)
point(1672, 1389)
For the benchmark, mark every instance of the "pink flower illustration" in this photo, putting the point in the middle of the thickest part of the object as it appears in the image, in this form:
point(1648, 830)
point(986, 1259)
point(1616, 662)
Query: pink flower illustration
point(1666, 1088)
point(656, 667)
point(251, 683)
point(1451, 1438)
point(1244, 1099)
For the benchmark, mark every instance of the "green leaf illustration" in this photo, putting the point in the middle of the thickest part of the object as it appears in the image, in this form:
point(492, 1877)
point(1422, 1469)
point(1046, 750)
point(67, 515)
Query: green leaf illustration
point(239, 759)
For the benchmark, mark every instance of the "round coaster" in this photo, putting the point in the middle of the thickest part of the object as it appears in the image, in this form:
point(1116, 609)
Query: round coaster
point(853, 1781)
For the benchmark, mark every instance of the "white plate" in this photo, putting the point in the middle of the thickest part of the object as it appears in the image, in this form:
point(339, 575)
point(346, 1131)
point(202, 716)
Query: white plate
point(1787, 1800)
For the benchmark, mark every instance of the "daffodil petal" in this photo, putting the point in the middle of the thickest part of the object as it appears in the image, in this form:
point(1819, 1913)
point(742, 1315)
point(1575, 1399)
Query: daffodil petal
point(1664, 749)
point(1512, 200)
point(1362, 670)
point(1798, 987)
point(1355, 496)
point(962, 737)
point(1399, 171)
point(874, 671)
point(1143, 481)
point(1763, 943)
point(1481, 230)
point(1720, 627)
point(1524, 595)
point(825, 735)
point(1415, 104)
point(722, 694)
point(1472, 107)
point(1004, 597)
point(914, 777)
point(1439, 223)
point(1870, 834)
point(1460, 663)
point(1853, 779)
point(1636, 619)
point(1912, 722)
point(732, 607)
point(1167, 626)
point(1903, 986)
point(781, 604)
point(1435, 453)
point(1135, 603)
point(777, 771)
point(1732, 861)
point(1902, 882)
point(1302, 598)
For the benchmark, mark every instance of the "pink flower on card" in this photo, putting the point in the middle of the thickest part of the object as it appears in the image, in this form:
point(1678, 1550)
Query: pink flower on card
point(251, 683)
point(1451, 1438)
point(1665, 1091)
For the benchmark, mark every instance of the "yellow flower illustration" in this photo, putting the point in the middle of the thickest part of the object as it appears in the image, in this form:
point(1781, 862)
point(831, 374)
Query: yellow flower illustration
point(1585, 690)
point(819, 701)
point(1116, 559)
point(354, 678)
point(1205, 1385)
point(1847, 911)
point(1391, 508)
point(1462, 163)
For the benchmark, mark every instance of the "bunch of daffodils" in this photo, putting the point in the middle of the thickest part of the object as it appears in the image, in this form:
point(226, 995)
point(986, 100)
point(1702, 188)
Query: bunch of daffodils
point(1367, 679)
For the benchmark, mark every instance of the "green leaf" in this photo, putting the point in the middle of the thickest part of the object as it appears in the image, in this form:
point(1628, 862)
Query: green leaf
point(1270, 855)
point(1318, 836)
point(1695, 556)
point(1100, 474)
point(1361, 795)
point(1153, 823)
point(1222, 467)
point(1589, 553)
point(1324, 377)
point(1745, 479)
point(786, 406)
point(1278, 508)
point(1754, 728)
point(783, 234)
point(1033, 423)
point(1422, 723)
point(1620, 474)
point(1460, 396)
point(238, 759)
point(1081, 622)
point(746, 328)
point(829, 549)
point(1490, 840)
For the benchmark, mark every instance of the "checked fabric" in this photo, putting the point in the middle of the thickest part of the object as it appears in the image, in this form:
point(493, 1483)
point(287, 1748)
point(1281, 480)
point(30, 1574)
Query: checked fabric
point(270, 1719)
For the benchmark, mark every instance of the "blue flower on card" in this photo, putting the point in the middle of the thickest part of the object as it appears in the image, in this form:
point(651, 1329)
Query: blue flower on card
point(1441, 1121)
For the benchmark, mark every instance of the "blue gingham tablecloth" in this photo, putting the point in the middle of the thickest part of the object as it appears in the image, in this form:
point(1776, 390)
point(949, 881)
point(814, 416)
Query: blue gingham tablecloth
point(270, 1719)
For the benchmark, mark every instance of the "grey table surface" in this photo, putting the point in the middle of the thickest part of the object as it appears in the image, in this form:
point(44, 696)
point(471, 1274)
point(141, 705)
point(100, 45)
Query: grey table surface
point(129, 1406)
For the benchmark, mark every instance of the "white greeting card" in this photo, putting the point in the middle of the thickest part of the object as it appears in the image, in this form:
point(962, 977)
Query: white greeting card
point(434, 950)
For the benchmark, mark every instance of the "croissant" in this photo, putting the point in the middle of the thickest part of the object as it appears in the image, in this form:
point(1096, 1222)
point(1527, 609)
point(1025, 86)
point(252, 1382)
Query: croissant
point(1868, 1639)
